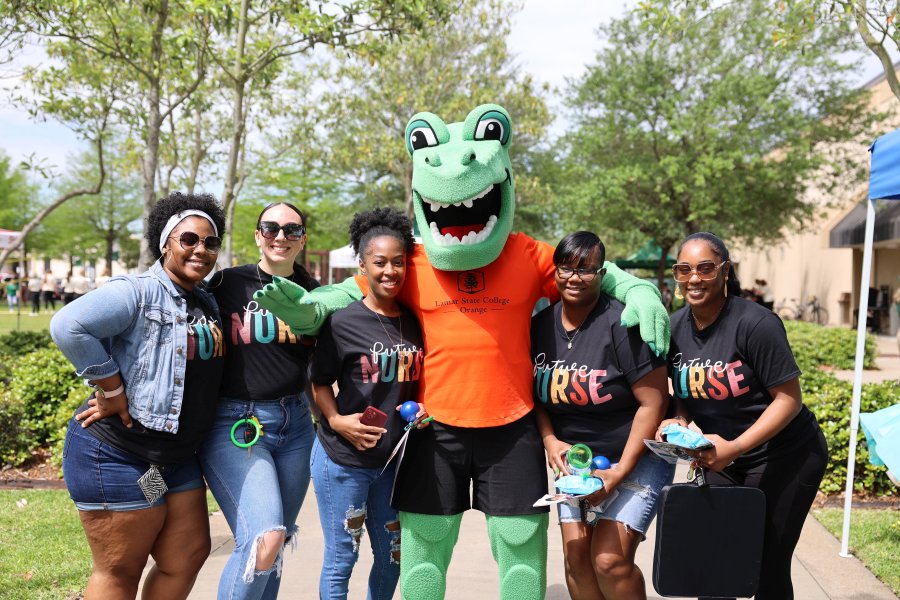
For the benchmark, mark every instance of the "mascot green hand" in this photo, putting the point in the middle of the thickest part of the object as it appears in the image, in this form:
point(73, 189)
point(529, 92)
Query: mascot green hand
point(643, 306)
point(305, 312)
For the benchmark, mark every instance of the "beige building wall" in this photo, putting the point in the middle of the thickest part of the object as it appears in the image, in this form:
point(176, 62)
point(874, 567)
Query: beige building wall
point(804, 264)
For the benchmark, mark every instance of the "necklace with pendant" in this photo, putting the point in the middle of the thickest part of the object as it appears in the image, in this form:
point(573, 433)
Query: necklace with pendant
point(259, 277)
point(713, 320)
point(400, 323)
point(571, 339)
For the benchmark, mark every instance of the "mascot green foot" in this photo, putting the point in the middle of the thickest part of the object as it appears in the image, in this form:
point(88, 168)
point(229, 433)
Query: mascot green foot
point(519, 545)
point(426, 547)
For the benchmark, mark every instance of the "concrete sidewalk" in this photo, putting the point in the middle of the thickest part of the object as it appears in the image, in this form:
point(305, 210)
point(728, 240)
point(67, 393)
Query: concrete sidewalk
point(819, 573)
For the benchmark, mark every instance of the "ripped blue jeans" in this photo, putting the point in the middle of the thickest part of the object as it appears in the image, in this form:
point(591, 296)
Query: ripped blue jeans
point(354, 501)
point(260, 491)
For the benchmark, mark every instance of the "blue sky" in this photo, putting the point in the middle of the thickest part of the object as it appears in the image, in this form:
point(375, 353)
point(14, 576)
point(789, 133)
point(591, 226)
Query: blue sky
point(553, 39)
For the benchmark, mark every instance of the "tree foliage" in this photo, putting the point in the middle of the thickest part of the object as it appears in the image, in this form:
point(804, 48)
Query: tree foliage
point(447, 69)
point(793, 23)
point(715, 129)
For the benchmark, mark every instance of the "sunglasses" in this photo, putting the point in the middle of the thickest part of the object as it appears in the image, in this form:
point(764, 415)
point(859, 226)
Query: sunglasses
point(292, 231)
point(189, 240)
point(705, 270)
point(586, 275)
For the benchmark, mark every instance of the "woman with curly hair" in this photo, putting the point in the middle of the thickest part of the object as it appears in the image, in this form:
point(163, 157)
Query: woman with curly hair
point(151, 345)
point(373, 350)
point(260, 492)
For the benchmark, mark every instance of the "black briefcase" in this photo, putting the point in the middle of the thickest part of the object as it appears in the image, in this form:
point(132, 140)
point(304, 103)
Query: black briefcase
point(708, 541)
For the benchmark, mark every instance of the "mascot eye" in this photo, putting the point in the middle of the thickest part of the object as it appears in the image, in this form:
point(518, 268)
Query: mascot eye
point(422, 137)
point(489, 129)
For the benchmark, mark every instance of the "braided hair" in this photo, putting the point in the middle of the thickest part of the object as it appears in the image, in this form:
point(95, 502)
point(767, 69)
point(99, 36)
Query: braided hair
point(370, 224)
point(719, 248)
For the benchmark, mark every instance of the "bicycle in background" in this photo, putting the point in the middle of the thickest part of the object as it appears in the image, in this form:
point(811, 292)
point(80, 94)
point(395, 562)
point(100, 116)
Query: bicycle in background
point(811, 310)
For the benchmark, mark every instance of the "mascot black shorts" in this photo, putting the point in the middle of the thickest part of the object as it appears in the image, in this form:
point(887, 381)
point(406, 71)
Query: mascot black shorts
point(503, 466)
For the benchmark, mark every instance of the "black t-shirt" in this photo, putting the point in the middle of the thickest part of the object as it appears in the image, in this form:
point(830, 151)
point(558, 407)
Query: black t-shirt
point(375, 364)
point(587, 389)
point(265, 360)
point(202, 376)
point(723, 374)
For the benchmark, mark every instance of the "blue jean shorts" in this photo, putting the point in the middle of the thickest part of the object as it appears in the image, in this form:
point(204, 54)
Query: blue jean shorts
point(635, 502)
point(102, 477)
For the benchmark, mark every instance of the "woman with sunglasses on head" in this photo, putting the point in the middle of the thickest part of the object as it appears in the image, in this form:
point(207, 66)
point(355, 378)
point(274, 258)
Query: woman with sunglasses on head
point(373, 350)
point(151, 344)
point(597, 383)
point(734, 376)
point(256, 461)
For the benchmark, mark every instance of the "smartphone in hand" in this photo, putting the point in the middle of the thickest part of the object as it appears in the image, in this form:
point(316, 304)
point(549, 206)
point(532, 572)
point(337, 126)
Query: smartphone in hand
point(374, 417)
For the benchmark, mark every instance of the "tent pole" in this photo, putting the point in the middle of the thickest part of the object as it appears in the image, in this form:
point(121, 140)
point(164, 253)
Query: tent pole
point(864, 278)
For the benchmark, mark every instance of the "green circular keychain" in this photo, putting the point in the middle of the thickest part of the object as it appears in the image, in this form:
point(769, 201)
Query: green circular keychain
point(248, 421)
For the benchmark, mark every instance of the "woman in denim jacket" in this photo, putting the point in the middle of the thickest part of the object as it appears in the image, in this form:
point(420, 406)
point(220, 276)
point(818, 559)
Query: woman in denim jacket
point(260, 492)
point(151, 345)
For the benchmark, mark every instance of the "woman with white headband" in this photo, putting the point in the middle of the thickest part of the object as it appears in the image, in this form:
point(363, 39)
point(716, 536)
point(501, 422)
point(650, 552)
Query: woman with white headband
point(151, 345)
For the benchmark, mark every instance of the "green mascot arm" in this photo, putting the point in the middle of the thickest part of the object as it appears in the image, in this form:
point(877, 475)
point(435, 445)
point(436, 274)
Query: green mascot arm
point(643, 306)
point(305, 312)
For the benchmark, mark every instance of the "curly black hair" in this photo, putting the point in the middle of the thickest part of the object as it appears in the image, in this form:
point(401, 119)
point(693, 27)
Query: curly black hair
point(380, 221)
point(175, 203)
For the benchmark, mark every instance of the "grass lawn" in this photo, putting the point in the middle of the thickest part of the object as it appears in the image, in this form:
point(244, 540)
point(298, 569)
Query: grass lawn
point(48, 555)
point(874, 539)
point(11, 322)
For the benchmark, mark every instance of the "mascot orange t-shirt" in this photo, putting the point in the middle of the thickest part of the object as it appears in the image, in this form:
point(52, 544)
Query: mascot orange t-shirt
point(468, 312)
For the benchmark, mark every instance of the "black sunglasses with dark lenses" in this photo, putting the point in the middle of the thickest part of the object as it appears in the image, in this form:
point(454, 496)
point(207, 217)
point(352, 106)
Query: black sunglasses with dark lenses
point(292, 231)
point(705, 270)
point(189, 239)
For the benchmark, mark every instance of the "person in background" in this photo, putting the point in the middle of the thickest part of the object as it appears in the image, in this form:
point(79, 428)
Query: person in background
point(68, 292)
point(80, 284)
point(34, 293)
point(48, 292)
point(12, 294)
point(260, 491)
point(152, 346)
point(734, 376)
point(597, 383)
point(373, 349)
point(764, 294)
point(666, 295)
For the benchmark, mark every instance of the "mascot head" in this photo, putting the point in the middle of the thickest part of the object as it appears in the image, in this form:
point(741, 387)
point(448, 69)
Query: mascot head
point(462, 186)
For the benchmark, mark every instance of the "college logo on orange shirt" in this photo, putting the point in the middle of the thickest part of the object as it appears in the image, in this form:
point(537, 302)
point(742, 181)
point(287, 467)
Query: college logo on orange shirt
point(470, 282)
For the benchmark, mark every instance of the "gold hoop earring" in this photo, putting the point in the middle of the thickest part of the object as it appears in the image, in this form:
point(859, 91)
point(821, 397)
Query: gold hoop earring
point(678, 293)
point(726, 287)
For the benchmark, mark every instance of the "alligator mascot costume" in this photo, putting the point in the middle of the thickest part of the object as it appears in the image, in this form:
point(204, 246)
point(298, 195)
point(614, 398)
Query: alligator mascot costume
point(473, 287)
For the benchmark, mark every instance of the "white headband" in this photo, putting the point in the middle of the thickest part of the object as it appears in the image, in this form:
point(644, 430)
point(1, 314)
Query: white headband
point(177, 218)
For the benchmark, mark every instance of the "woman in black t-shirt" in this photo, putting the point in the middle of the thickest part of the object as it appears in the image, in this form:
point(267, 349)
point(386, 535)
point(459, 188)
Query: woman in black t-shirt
point(598, 383)
point(260, 488)
point(373, 350)
point(734, 376)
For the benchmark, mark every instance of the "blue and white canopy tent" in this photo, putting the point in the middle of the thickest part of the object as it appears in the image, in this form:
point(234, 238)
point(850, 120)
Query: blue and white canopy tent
point(884, 184)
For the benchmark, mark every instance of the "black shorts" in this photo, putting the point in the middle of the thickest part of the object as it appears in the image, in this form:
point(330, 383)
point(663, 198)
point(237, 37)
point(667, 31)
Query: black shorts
point(504, 465)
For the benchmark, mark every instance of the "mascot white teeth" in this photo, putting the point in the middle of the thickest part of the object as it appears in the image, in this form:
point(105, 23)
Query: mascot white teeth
point(472, 284)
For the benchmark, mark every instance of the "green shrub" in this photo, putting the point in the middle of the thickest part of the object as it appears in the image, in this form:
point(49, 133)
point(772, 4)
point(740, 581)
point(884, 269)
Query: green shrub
point(829, 398)
point(16, 441)
point(14, 345)
point(20, 343)
point(41, 380)
point(815, 345)
point(60, 422)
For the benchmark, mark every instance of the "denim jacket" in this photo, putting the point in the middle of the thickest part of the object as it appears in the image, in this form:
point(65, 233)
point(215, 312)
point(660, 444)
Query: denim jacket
point(135, 325)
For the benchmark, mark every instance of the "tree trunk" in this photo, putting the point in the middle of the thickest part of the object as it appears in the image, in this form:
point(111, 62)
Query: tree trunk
point(154, 125)
point(239, 81)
